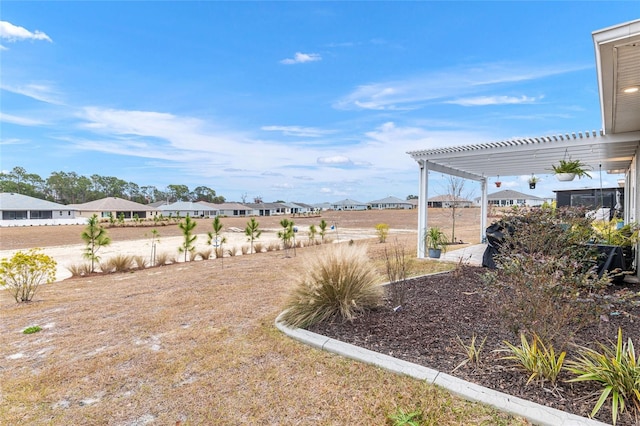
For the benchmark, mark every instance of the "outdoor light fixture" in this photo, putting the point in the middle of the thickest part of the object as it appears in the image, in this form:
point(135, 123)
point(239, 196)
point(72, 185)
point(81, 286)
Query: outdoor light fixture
point(632, 89)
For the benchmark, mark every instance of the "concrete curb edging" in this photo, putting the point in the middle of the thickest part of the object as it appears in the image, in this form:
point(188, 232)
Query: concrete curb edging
point(536, 413)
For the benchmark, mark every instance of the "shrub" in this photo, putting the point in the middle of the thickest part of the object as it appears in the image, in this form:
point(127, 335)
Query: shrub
point(118, 263)
point(25, 271)
point(244, 249)
point(206, 254)
point(258, 247)
point(340, 282)
point(273, 246)
point(164, 258)
point(32, 329)
point(546, 273)
point(219, 252)
point(80, 270)
point(536, 358)
point(139, 261)
point(616, 369)
point(382, 230)
point(232, 251)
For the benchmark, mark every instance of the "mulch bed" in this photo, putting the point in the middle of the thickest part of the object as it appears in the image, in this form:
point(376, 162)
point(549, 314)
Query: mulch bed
point(440, 307)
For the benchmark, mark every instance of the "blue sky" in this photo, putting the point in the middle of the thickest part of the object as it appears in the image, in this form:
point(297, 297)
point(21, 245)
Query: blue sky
point(300, 101)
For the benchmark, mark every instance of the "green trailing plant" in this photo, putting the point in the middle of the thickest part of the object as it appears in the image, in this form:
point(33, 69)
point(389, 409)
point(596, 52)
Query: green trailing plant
point(576, 167)
point(95, 236)
point(340, 282)
point(536, 358)
point(472, 351)
point(406, 418)
point(252, 231)
point(32, 329)
point(187, 226)
point(616, 369)
point(23, 273)
point(382, 230)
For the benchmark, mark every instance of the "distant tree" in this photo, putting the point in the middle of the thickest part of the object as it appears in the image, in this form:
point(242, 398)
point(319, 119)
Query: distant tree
point(187, 226)
point(202, 193)
point(412, 197)
point(258, 199)
point(179, 192)
point(243, 197)
point(95, 236)
point(455, 188)
point(252, 231)
point(219, 199)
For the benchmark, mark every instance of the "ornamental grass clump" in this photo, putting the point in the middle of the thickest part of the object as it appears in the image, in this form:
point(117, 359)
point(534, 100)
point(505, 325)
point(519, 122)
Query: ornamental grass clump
point(617, 370)
point(339, 283)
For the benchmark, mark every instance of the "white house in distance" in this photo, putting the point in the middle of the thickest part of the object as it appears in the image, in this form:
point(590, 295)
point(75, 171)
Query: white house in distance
point(22, 210)
point(187, 208)
point(390, 203)
point(509, 197)
point(229, 209)
point(115, 207)
point(613, 149)
point(348, 204)
point(448, 201)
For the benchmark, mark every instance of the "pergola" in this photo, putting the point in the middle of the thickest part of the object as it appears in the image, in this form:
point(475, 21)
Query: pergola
point(613, 149)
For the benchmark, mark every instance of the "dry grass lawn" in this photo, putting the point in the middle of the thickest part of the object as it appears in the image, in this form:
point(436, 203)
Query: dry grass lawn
point(193, 344)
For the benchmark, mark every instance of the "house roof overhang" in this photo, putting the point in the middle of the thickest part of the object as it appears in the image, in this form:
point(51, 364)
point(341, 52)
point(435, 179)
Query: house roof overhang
point(617, 51)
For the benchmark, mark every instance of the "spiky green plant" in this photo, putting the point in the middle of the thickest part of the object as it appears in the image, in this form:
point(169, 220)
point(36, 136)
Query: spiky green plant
point(323, 229)
point(617, 370)
point(472, 351)
point(187, 226)
point(339, 282)
point(96, 237)
point(536, 358)
point(406, 418)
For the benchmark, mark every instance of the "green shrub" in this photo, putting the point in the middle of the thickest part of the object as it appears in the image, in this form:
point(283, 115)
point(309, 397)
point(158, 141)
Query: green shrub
point(32, 329)
point(536, 358)
point(340, 282)
point(25, 271)
point(617, 370)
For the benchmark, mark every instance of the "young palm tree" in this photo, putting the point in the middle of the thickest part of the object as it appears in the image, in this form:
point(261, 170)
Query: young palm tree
point(95, 236)
point(187, 231)
point(323, 229)
point(252, 231)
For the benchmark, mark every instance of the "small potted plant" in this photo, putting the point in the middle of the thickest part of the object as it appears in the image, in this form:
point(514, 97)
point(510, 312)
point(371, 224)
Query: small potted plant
point(498, 182)
point(567, 170)
point(532, 182)
point(436, 241)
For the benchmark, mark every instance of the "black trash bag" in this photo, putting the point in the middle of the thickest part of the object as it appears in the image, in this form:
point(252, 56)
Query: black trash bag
point(495, 238)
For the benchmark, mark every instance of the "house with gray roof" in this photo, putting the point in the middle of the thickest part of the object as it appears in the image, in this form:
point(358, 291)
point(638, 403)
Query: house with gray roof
point(22, 210)
point(390, 203)
point(267, 209)
point(188, 208)
point(230, 209)
point(448, 201)
point(116, 207)
point(509, 197)
point(348, 204)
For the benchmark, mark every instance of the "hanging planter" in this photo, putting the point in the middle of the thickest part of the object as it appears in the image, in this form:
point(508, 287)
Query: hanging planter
point(532, 182)
point(567, 170)
point(498, 183)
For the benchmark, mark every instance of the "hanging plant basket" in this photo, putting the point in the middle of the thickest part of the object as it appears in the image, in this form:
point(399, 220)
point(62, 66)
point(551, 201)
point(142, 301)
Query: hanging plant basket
point(565, 177)
point(498, 183)
point(532, 182)
point(532, 185)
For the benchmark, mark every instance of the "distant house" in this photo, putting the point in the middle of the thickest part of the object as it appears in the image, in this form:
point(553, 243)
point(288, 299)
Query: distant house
point(22, 210)
point(390, 203)
point(298, 208)
point(267, 209)
point(115, 207)
point(230, 209)
point(321, 207)
point(348, 204)
point(448, 201)
point(184, 208)
point(509, 197)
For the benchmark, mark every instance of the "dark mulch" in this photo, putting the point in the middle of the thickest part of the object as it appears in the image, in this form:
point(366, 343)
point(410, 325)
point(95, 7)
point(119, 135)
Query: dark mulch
point(440, 307)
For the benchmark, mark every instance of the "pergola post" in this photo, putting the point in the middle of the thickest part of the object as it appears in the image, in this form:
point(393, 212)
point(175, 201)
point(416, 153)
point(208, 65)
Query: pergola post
point(423, 192)
point(484, 207)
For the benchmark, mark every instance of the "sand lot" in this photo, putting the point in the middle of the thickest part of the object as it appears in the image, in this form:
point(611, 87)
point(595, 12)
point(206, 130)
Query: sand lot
point(64, 244)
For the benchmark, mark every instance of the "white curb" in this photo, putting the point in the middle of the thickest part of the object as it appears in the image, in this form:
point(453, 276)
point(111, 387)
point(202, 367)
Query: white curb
point(536, 413)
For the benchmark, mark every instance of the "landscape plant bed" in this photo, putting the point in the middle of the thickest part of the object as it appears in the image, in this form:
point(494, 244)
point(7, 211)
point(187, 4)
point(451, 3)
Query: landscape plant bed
point(439, 308)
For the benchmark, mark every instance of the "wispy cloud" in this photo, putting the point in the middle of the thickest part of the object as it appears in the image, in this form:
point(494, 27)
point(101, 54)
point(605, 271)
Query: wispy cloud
point(22, 121)
point(13, 33)
point(310, 132)
point(494, 100)
point(43, 92)
point(336, 160)
point(413, 92)
point(13, 141)
point(300, 58)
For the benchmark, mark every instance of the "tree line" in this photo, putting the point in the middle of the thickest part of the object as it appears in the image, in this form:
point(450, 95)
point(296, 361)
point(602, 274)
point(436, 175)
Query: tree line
point(72, 188)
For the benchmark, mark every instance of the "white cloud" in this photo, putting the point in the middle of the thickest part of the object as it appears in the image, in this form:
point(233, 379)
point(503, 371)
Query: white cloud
point(300, 58)
point(12, 141)
point(299, 131)
point(412, 92)
point(12, 33)
point(334, 160)
point(42, 92)
point(22, 121)
point(494, 100)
